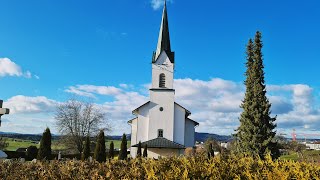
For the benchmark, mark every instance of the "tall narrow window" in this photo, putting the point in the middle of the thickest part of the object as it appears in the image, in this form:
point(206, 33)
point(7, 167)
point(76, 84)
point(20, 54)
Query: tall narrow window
point(160, 132)
point(162, 80)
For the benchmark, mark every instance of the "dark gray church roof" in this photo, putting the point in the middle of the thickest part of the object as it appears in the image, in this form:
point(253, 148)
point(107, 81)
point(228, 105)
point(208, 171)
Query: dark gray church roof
point(161, 142)
point(164, 38)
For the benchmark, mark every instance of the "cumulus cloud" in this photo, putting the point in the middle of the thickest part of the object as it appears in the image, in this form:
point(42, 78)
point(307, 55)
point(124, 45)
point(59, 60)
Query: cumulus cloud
point(25, 104)
point(10, 68)
point(119, 108)
point(215, 104)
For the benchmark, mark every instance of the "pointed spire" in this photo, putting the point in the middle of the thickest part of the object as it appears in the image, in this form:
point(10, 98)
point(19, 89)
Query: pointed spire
point(164, 36)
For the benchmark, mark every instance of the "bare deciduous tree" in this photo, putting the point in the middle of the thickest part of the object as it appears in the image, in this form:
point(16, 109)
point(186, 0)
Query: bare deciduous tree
point(76, 120)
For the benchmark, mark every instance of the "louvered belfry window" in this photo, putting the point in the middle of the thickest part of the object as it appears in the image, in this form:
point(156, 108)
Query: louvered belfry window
point(162, 80)
point(160, 132)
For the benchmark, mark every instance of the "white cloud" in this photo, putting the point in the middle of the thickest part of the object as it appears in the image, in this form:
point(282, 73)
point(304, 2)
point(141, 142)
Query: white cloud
point(215, 104)
point(10, 68)
point(37, 77)
point(29, 115)
point(90, 90)
point(156, 4)
point(25, 104)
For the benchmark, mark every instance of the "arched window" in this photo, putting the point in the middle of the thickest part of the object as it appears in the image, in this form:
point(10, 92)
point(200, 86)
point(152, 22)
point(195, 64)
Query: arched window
point(162, 80)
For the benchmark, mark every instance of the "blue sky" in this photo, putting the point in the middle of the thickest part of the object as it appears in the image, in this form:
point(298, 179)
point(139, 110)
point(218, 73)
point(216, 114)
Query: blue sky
point(53, 50)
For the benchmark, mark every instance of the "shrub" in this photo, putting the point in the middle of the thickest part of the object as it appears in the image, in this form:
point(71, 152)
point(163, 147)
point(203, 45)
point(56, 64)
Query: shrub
point(197, 167)
point(31, 153)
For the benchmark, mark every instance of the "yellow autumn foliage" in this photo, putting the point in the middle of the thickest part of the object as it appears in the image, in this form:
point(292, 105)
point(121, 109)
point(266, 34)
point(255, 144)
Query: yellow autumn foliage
point(197, 167)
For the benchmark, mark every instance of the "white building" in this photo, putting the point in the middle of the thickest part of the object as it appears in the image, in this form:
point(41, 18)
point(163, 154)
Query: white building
point(313, 146)
point(161, 123)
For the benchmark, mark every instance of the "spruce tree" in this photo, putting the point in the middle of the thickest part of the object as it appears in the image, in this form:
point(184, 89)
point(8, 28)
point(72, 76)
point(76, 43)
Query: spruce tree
point(256, 132)
point(210, 151)
point(45, 146)
point(100, 150)
point(139, 152)
point(86, 150)
point(123, 150)
point(111, 150)
point(145, 151)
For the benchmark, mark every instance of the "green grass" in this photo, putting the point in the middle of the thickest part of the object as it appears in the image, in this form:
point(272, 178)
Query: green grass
point(306, 154)
point(293, 156)
point(117, 144)
point(14, 144)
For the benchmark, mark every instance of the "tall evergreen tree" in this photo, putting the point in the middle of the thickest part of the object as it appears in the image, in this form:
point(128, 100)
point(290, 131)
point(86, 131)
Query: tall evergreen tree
point(45, 146)
point(111, 150)
point(256, 132)
point(86, 150)
point(210, 151)
point(100, 151)
point(145, 151)
point(123, 150)
point(139, 152)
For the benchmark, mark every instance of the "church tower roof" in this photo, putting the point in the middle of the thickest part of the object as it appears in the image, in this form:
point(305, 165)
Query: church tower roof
point(164, 38)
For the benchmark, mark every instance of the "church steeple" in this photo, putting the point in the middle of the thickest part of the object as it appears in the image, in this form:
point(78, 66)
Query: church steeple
point(164, 38)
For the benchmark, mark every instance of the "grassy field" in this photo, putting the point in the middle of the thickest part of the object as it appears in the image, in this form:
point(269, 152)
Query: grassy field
point(14, 144)
point(116, 143)
point(305, 155)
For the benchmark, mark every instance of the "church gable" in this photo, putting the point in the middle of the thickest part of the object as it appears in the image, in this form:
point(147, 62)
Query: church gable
point(163, 59)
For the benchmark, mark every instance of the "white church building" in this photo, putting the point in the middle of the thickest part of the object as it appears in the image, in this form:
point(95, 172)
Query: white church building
point(161, 123)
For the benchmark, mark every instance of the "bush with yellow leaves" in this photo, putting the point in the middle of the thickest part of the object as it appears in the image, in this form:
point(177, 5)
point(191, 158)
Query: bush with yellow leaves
point(197, 167)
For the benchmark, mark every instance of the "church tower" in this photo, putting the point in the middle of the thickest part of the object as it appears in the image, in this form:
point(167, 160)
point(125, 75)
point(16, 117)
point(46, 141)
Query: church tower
point(162, 92)
point(162, 124)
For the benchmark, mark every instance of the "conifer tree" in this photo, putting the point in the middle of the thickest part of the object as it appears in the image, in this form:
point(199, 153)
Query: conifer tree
point(100, 150)
point(123, 150)
point(139, 152)
point(256, 132)
point(86, 150)
point(145, 151)
point(210, 151)
point(111, 150)
point(45, 146)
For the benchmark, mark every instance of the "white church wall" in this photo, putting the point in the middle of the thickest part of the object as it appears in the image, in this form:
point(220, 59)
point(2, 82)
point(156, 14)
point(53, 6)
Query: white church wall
point(179, 124)
point(158, 68)
point(133, 152)
point(189, 133)
point(134, 127)
point(157, 152)
point(143, 124)
point(161, 119)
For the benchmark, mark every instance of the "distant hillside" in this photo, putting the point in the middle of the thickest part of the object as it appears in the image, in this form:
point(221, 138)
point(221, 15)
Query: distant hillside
point(198, 136)
point(202, 137)
point(31, 137)
point(36, 137)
